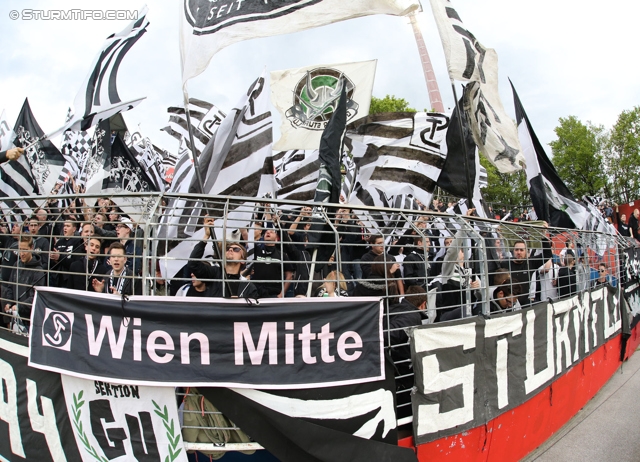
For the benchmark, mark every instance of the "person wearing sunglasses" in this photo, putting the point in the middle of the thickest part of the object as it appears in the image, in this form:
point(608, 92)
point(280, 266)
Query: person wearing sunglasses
point(233, 284)
point(604, 277)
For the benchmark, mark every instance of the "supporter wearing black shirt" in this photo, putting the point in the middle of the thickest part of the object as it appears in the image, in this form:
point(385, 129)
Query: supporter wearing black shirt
point(416, 263)
point(522, 268)
point(66, 250)
point(271, 267)
point(207, 278)
point(88, 268)
point(120, 279)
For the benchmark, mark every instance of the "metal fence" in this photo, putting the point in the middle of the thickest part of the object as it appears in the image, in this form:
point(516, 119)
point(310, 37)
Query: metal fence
point(446, 266)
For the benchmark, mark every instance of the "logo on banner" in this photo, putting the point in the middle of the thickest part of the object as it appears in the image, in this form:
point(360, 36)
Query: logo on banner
point(208, 17)
point(57, 329)
point(430, 130)
point(316, 97)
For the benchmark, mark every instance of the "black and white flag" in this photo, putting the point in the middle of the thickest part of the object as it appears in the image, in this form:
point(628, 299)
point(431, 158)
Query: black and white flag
point(551, 199)
point(469, 61)
point(205, 119)
point(404, 152)
point(44, 159)
point(98, 98)
point(16, 180)
point(206, 27)
point(150, 157)
point(453, 178)
point(330, 153)
point(297, 174)
point(233, 160)
point(333, 424)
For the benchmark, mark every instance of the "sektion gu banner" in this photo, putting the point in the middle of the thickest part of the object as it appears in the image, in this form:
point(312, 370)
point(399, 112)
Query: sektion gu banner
point(276, 344)
point(34, 424)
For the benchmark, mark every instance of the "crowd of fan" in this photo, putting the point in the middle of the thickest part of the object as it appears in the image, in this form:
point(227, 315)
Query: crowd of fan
point(98, 249)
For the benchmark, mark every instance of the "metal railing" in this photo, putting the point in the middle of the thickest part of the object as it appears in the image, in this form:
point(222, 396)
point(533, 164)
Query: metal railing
point(443, 266)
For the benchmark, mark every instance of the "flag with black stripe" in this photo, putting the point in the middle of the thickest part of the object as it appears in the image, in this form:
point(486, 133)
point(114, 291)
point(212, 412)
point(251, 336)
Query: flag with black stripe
point(44, 159)
point(205, 118)
point(98, 98)
point(551, 199)
point(297, 174)
point(232, 161)
point(404, 152)
point(351, 423)
point(461, 147)
point(150, 158)
point(16, 180)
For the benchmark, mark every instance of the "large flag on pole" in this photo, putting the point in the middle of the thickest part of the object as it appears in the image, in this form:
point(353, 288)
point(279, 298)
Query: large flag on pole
point(233, 160)
point(307, 97)
point(404, 153)
point(330, 152)
point(44, 159)
point(452, 178)
point(551, 199)
point(15, 180)
point(469, 61)
point(208, 27)
point(98, 98)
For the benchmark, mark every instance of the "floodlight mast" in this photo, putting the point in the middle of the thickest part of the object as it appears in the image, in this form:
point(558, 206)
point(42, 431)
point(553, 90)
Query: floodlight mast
point(427, 67)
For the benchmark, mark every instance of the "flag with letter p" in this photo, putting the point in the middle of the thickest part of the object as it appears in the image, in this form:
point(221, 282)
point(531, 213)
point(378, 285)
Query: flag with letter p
point(307, 97)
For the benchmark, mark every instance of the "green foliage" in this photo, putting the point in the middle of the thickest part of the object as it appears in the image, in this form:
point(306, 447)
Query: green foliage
point(508, 189)
point(389, 104)
point(623, 160)
point(578, 156)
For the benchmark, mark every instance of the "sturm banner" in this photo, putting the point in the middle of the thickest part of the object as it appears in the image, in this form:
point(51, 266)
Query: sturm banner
point(124, 422)
point(34, 424)
point(470, 371)
point(274, 344)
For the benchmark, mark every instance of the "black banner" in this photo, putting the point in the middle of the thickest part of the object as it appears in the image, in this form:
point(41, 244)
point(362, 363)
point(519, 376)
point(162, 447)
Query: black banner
point(277, 344)
point(470, 371)
point(34, 424)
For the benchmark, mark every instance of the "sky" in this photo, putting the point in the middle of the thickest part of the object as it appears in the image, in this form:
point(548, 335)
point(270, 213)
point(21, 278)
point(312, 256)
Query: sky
point(565, 57)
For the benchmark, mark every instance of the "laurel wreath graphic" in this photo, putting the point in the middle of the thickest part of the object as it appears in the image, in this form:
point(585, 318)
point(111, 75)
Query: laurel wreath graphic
point(77, 412)
point(172, 436)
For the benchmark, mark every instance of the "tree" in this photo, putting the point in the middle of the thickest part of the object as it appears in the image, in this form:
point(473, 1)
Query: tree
point(624, 157)
point(389, 104)
point(508, 189)
point(578, 156)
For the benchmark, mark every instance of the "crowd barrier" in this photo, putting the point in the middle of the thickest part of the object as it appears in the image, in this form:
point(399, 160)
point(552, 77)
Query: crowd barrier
point(464, 266)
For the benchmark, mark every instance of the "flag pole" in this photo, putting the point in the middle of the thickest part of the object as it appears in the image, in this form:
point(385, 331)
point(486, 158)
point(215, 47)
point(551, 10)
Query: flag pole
point(464, 146)
point(192, 145)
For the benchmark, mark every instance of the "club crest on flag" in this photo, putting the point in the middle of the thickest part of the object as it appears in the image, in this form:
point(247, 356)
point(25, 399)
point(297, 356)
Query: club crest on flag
point(307, 98)
point(316, 97)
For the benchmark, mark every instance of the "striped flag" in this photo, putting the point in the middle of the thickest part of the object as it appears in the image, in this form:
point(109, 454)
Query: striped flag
point(176, 216)
point(469, 61)
point(297, 174)
point(150, 158)
point(44, 159)
point(76, 147)
point(453, 176)
point(98, 98)
point(205, 118)
point(551, 199)
point(405, 152)
point(15, 180)
point(233, 160)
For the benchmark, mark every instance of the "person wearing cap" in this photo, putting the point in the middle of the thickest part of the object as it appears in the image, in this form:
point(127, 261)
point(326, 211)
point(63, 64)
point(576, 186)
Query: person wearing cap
point(207, 278)
point(124, 232)
point(10, 154)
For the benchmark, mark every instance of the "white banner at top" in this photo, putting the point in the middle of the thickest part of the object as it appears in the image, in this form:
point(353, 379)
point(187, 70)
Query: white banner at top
point(208, 27)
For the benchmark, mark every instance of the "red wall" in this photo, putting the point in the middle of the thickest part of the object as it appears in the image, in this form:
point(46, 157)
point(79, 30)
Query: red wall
point(516, 433)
